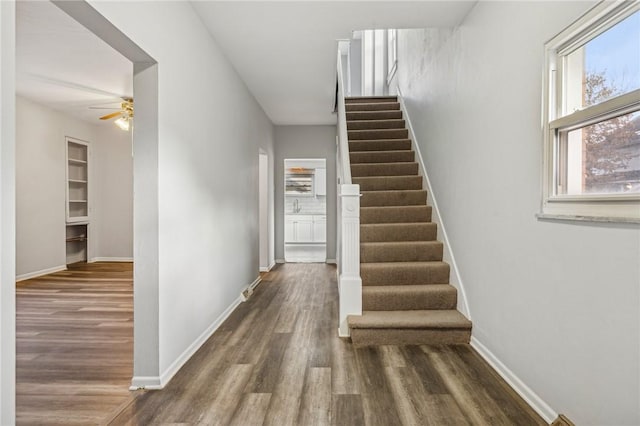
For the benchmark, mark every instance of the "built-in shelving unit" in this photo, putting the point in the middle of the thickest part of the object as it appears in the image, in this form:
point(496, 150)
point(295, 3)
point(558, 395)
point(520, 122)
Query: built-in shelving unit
point(77, 180)
point(77, 200)
point(76, 241)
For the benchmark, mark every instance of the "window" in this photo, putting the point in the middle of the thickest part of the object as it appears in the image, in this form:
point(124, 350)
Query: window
point(392, 54)
point(592, 117)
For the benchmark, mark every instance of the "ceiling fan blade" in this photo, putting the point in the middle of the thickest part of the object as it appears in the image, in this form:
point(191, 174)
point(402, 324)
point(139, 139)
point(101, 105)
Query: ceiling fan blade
point(109, 116)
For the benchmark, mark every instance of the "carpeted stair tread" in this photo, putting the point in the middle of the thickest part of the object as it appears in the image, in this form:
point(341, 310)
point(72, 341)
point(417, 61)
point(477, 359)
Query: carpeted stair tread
point(375, 124)
point(378, 134)
point(395, 156)
point(414, 319)
point(409, 297)
point(406, 296)
point(401, 251)
point(388, 183)
point(374, 115)
point(380, 232)
point(380, 145)
point(384, 169)
point(409, 197)
point(395, 214)
point(372, 106)
point(404, 273)
point(369, 99)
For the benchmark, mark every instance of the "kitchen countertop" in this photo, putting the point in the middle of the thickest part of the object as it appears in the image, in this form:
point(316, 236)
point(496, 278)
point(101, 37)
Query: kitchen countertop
point(305, 214)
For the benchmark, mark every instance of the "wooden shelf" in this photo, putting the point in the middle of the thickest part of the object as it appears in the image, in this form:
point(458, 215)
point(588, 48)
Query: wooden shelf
point(77, 181)
point(75, 161)
point(77, 201)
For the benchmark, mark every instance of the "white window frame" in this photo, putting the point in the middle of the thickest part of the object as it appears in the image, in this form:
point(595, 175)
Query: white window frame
point(392, 54)
point(590, 207)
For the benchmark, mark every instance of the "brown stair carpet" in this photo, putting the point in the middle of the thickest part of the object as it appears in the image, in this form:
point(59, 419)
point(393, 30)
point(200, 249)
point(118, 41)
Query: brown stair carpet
point(406, 295)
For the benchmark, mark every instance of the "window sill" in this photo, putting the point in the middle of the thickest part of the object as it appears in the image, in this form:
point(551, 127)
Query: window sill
point(575, 218)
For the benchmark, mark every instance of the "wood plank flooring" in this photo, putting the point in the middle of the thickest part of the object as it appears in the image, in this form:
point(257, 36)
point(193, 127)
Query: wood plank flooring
point(74, 341)
point(277, 360)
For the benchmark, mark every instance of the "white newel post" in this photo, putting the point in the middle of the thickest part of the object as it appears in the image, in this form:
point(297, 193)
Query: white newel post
point(350, 283)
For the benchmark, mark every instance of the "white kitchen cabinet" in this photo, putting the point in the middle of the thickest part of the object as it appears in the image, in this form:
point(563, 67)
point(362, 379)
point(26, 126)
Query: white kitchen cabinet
point(321, 181)
point(320, 229)
point(289, 231)
point(298, 229)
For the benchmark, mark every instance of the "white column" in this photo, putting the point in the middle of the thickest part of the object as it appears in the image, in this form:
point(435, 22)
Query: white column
point(349, 281)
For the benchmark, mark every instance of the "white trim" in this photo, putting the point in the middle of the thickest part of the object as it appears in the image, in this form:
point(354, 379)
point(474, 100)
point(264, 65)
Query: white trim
point(111, 259)
point(40, 273)
point(537, 403)
point(268, 268)
point(331, 261)
point(616, 208)
point(248, 291)
point(456, 280)
point(281, 261)
point(159, 382)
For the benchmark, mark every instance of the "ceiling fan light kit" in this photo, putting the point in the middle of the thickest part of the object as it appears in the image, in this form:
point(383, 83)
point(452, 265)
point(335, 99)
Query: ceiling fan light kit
point(124, 116)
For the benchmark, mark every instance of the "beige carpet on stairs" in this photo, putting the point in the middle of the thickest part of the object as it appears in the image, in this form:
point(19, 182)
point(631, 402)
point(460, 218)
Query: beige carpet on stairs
point(406, 295)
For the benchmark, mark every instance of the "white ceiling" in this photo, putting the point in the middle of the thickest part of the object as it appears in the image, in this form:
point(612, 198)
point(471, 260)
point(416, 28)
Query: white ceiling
point(61, 64)
point(286, 51)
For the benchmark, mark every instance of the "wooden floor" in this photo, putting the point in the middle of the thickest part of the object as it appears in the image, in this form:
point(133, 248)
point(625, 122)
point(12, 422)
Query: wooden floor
point(278, 361)
point(74, 342)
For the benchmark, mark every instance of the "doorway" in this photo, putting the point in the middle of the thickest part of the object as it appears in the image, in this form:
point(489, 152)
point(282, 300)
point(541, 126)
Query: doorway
point(305, 210)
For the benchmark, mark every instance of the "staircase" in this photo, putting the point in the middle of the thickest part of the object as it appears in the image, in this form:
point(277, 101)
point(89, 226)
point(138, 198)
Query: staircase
point(406, 296)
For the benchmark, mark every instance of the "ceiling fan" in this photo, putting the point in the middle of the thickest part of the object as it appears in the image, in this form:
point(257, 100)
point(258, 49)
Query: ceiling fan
point(124, 114)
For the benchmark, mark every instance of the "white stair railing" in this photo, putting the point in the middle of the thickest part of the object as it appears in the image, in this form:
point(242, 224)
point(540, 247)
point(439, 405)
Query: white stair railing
point(348, 215)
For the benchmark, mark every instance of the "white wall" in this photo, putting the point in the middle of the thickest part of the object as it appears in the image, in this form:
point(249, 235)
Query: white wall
point(209, 135)
point(305, 142)
point(112, 175)
point(7, 213)
point(40, 186)
point(556, 302)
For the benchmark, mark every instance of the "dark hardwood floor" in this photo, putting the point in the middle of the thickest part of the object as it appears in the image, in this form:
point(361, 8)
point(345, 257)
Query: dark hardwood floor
point(74, 343)
point(277, 360)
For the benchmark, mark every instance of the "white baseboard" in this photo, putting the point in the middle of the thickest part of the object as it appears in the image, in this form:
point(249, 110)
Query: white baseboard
point(540, 407)
point(111, 259)
point(159, 382)
point(332, 261)
point(456, 278)
point(268, 268)
point(281, 261)
point(40, 273)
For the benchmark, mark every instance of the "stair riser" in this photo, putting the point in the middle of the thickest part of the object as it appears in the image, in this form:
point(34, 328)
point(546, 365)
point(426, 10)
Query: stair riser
point(395, 214)
point(380, 145)
point(375, 124)
point(378, 134)
point(380, 336)
point(401, 252)
point(398, 232)
point(389, 183)
point(393, 198)
point(374, 301)
point(398, 274)
point(374, 115)
point(370, 99)
point(384, 169)
point(379, 106)
point(382, 157)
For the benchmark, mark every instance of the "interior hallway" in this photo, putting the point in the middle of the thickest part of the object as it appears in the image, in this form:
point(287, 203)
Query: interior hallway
point(277, 360)
point(74, 343)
